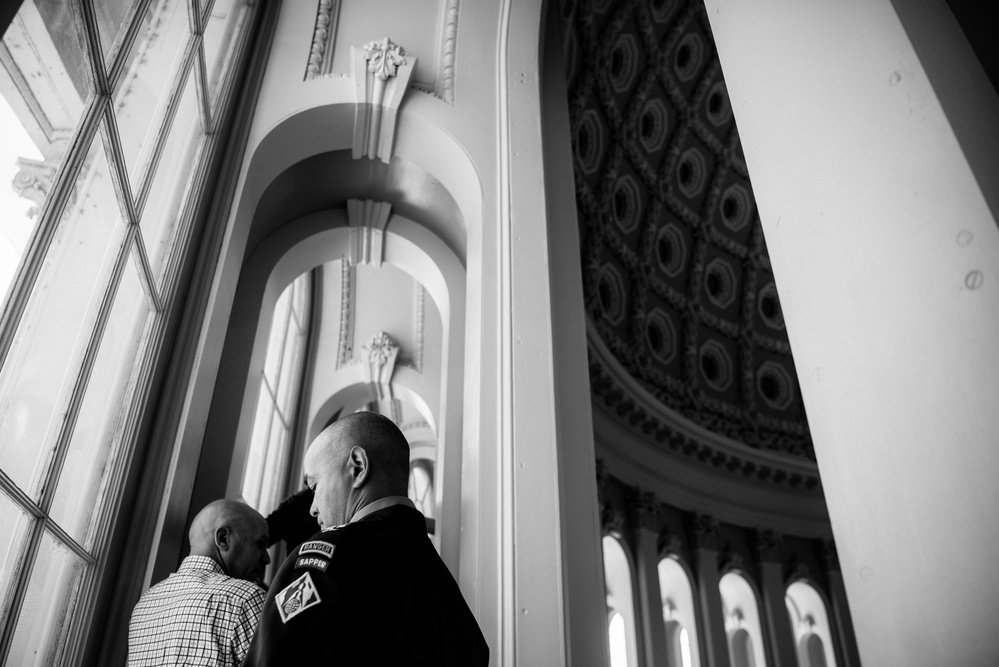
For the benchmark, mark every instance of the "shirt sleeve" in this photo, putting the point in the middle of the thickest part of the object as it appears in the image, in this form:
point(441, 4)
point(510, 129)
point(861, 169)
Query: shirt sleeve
point(246, 624)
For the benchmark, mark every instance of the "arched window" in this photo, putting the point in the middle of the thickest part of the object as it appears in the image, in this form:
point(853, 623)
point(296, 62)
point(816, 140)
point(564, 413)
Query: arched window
point(620, 605)
point(274, 423)
point(678, 614)
point(742, 621)
point(810, 622)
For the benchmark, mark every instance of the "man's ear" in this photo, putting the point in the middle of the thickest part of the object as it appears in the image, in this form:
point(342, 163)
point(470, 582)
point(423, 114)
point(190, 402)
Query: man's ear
point(359, 468)
point(223, 538)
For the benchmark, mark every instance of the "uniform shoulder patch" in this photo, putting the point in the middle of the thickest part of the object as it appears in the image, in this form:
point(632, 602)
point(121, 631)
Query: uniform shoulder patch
point(296, 597)
point(313, 562)
point(316, 547)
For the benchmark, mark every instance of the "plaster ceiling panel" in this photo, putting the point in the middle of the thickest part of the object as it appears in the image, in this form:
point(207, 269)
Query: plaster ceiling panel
point(652, 121)
point(688, 309)
point(721, 286)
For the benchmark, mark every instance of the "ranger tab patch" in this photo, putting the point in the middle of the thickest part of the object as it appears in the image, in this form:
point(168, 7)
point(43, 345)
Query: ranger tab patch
point(317, 547)
point(298, 596)
point(313, 562)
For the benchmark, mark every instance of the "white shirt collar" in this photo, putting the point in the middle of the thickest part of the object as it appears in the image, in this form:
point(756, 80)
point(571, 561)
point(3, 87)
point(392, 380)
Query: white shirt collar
point(381, 503)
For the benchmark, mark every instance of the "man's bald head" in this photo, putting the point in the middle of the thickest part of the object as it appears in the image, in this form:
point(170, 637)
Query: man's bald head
point(386, 446)
point(356, 460)
point(234, 535)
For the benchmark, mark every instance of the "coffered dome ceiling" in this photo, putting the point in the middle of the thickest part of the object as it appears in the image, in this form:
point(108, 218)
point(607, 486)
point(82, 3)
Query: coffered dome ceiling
point(678, 284)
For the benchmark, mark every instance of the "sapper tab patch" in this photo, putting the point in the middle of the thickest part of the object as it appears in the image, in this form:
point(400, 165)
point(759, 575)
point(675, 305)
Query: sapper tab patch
point(316, 547)
point(313, 562)
point(298, 596)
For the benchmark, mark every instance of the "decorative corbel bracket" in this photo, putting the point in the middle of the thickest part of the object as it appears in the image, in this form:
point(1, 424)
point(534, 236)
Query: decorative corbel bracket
point(379, 363)
point(367, 219)
point(382, 71)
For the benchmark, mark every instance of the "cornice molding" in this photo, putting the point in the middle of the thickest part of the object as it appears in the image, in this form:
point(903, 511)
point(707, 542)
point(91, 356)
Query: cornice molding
point(667, 430)
point(321, 50)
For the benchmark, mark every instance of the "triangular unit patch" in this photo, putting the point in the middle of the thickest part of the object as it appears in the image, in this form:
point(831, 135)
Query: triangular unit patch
point(298, 596)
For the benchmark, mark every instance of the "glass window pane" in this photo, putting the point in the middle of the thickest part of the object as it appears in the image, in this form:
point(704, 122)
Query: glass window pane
point(49, 606)
point(51, 339)
point(45, 86)
point(111, 23)
point(161, 215)
point(97, 436)
point(273, 477)
point(142, 93)
point(287, 392)
point(14, 526)
point(224, 24)
point(279, 332)
point(257, 453)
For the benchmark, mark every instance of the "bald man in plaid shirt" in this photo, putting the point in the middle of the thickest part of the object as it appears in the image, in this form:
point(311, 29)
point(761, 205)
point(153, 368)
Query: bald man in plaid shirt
point(206, 612)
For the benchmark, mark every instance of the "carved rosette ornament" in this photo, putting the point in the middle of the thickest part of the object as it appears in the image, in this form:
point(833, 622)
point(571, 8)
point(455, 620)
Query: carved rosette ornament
point(384, 57)
point(703, 529)
point(33, 181)
point(380, 363)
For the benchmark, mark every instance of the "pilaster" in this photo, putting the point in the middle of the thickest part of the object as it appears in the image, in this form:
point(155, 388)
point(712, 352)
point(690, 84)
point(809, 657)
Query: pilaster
point(703, 531)
point(644, 511)
point(845, 646)
point(777, 623)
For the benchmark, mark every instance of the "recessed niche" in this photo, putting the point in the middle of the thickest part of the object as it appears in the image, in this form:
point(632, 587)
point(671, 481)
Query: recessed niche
point(691, 172)
point(775, 385)
point(611, 294)
point(688, 56)
point(719, 109)
point(626, 203)
point(623, 62)
point(589, 141)
point(735, 207)
point(720, 282)
point(660, 335)
point(715, 364)
point(671, 249)
point(768, 306)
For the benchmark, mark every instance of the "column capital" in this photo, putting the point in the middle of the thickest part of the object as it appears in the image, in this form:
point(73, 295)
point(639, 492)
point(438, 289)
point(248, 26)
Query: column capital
point(644, 509)
point(828, 555)
point(703, 531)
point(767, 545)
point(668, 542)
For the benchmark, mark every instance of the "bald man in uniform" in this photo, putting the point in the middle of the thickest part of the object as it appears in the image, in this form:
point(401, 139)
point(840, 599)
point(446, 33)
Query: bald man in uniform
point(206, 612)
point(369, 588)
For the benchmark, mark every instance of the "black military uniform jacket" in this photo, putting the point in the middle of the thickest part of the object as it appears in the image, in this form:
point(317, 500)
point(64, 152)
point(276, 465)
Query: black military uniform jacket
point(373, 592)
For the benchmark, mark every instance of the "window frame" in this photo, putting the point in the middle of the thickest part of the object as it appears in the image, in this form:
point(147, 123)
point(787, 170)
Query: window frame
point(164, 301)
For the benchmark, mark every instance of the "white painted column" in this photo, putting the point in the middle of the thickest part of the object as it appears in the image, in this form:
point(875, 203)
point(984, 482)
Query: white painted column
point(547, 590)
point(886, 256)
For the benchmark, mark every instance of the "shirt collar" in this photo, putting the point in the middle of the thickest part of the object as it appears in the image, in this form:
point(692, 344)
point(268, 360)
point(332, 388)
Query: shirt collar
point(381, 503)
point(201, 563)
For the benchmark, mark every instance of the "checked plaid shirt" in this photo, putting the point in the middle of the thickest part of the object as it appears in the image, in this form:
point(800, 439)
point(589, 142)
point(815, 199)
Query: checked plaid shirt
point(197, 616)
